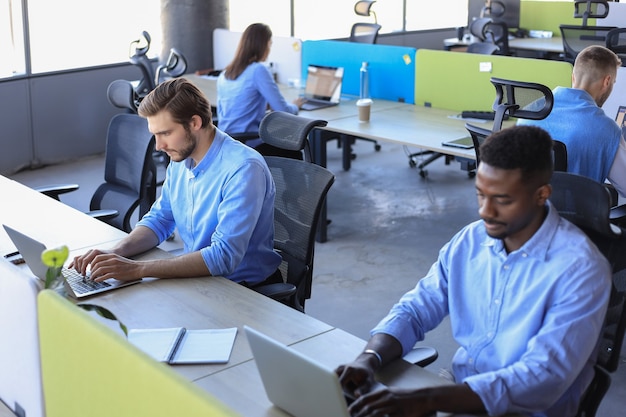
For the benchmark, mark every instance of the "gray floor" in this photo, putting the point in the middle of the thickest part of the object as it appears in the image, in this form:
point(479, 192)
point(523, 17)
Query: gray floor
point(387, 227)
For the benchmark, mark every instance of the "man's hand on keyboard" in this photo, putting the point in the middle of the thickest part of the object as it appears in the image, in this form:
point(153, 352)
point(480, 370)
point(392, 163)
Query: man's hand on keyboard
point(105, 264)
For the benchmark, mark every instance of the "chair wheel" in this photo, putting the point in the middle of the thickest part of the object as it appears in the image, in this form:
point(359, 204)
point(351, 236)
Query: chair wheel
point(377, 147)
point(471, 174)
point(423, 173)
point(412, 163)
point(353, 156)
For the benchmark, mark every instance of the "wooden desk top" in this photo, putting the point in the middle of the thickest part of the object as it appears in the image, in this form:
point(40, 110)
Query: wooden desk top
point(208, 302)
point(47, 220)
point(411, 125)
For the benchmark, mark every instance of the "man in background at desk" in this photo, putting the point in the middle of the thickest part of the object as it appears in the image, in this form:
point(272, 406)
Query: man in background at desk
point(526, 292)
point(595, 145)
point(218, 193)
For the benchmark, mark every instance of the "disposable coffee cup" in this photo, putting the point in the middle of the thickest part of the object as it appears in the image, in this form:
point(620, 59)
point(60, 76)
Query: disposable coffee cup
point(364, 105)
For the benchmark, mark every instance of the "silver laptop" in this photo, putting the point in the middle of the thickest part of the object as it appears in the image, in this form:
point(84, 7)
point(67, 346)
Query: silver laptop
point(323, 87)
point(296, 383)
point(76, 285)
point(463, 143)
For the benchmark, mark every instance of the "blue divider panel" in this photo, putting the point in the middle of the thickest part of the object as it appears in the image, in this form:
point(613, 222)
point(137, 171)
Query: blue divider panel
point(391, 68)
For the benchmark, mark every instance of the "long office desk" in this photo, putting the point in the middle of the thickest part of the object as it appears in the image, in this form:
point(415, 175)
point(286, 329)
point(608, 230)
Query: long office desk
point(210, 302)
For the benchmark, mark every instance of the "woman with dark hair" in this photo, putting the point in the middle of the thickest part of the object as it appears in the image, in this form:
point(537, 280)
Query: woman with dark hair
point(246, 88)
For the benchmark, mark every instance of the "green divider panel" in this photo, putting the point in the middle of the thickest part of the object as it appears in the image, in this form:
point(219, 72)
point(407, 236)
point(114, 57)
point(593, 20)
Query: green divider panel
point(454, 81)
point(89, 370)
point(391, 68)
point(548, 15)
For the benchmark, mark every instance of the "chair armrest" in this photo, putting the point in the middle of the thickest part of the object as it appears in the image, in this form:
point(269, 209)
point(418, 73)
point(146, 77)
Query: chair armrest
point(278, 291)
point(613, 193)
point(617, 215)
point(54, 190)
point(421, 355)
point(104, 214)
point(244, 136)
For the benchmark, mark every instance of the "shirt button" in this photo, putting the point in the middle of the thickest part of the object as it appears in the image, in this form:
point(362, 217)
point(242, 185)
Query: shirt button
point(506, 267)
point(524, 255)
point(490, 335)
point(496, 301)
point(470, 360)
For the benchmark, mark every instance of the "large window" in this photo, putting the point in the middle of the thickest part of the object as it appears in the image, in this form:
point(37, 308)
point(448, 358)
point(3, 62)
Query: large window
point(12, 61)
point(68, 34)
point(329, 19)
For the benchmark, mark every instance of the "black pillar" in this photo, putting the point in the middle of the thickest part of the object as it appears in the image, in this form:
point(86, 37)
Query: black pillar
point(188, 25)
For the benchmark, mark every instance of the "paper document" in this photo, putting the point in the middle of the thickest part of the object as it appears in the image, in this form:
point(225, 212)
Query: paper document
point(181, 346)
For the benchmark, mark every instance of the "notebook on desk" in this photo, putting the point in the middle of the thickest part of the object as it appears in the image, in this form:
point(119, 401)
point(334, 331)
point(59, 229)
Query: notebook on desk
point(75, 284)
point(296, 383)
point(323, 87)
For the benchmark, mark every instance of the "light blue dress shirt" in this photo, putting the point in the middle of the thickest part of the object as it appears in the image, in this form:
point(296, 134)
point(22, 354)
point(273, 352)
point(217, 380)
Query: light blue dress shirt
point(223, 207)
point(527, 322)
point(592, 138)
point(242, 103)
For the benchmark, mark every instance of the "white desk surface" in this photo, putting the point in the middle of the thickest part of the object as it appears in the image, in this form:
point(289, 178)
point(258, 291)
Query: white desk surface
point(45, 219)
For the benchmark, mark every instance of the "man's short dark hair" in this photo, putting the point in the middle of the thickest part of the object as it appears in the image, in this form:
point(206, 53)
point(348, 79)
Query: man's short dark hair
point(528, 148)
point(181, 98)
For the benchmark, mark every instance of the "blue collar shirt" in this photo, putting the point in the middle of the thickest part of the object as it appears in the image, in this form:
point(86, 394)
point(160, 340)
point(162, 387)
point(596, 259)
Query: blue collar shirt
point(224, 208)
point(527, 322)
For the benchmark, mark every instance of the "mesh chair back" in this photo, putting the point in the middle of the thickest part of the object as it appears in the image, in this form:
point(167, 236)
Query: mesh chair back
point(129, 172)
point(576, 38)
point(301, 189)
point(520, 99)
point(616, 42)
point(287, 131)
point(586, 203)
point(364, 32)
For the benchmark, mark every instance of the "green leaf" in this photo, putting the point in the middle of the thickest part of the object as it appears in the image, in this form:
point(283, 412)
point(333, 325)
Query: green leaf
point(104, 312)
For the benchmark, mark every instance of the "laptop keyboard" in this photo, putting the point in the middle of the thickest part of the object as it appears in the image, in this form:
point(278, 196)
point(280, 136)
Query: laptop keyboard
point(81, 284)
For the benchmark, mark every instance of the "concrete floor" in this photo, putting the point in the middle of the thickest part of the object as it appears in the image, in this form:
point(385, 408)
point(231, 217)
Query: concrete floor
point(387, 227)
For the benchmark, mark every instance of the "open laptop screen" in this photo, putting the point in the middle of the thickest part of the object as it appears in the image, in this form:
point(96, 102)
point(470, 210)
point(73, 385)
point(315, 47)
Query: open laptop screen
point(324, 83)
point(619, 117)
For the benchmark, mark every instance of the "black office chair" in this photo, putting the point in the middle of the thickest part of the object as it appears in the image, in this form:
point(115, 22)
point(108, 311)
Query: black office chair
point(139, 57)
point(365, 32)
point(576, 38)
point(129, 172)
point(122, 94)
point(519, 99)
point(586, 203)
point(485, 48)
point(174, 67)
point(597, 9)
point(301, 189)
point(616, 42)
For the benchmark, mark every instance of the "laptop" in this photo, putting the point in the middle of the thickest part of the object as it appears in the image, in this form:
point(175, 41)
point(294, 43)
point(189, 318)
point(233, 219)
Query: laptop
point(76, 285)
point(463, 143)
point(323, 87)
point(296, 383)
